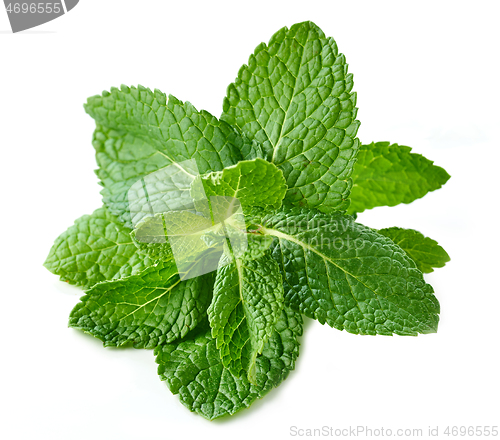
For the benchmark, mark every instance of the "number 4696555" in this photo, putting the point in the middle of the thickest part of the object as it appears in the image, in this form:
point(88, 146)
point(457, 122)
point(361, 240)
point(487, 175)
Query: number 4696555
point(34, 8)
point(471, 431)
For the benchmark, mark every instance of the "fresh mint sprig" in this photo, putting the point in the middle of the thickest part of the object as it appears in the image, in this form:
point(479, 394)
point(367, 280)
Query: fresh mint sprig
point(217, 235)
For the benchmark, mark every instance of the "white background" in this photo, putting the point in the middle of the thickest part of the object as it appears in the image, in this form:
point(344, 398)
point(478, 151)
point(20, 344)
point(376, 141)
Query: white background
point(427, 76)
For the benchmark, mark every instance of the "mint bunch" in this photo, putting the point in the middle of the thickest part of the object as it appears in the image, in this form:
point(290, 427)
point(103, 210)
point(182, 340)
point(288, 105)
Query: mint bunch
point(217, 235)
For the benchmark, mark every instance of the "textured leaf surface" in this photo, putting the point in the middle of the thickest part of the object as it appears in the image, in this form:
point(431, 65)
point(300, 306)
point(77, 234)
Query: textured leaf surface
point(247, 301)
point(193, 369)
point(424, 251)
point(350, 276)
point(386, 175)
point(140, 131)
point(295, 97)
point(96, 248)
point(252, 150)
point(253, 182)
point(145, 310)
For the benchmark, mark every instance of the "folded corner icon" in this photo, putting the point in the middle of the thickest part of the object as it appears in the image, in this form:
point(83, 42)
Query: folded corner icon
point(27, 15)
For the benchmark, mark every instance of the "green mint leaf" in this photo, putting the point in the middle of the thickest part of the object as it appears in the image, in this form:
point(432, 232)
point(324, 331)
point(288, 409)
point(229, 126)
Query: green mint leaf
point(424, 251)
point(295, 98)
point(146, 310)
point(247, 302)
point(140, 132)
point(350, 276)
point(253, 182)
point(193, 369)
point(386, 175)
point(96, 248)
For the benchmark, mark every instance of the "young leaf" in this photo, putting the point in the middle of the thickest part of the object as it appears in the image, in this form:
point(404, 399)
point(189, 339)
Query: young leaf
point(140, 131)
point(252, 150)
point(150, 238)
point(96, 248)
point(182, 236)
point(295, 98)
point(253, 182)
point(386, 175)
point(247, 302)
point(193, 369)
point(343, 273)
point(148, 309)
point(424, 251)
point(257, 245)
